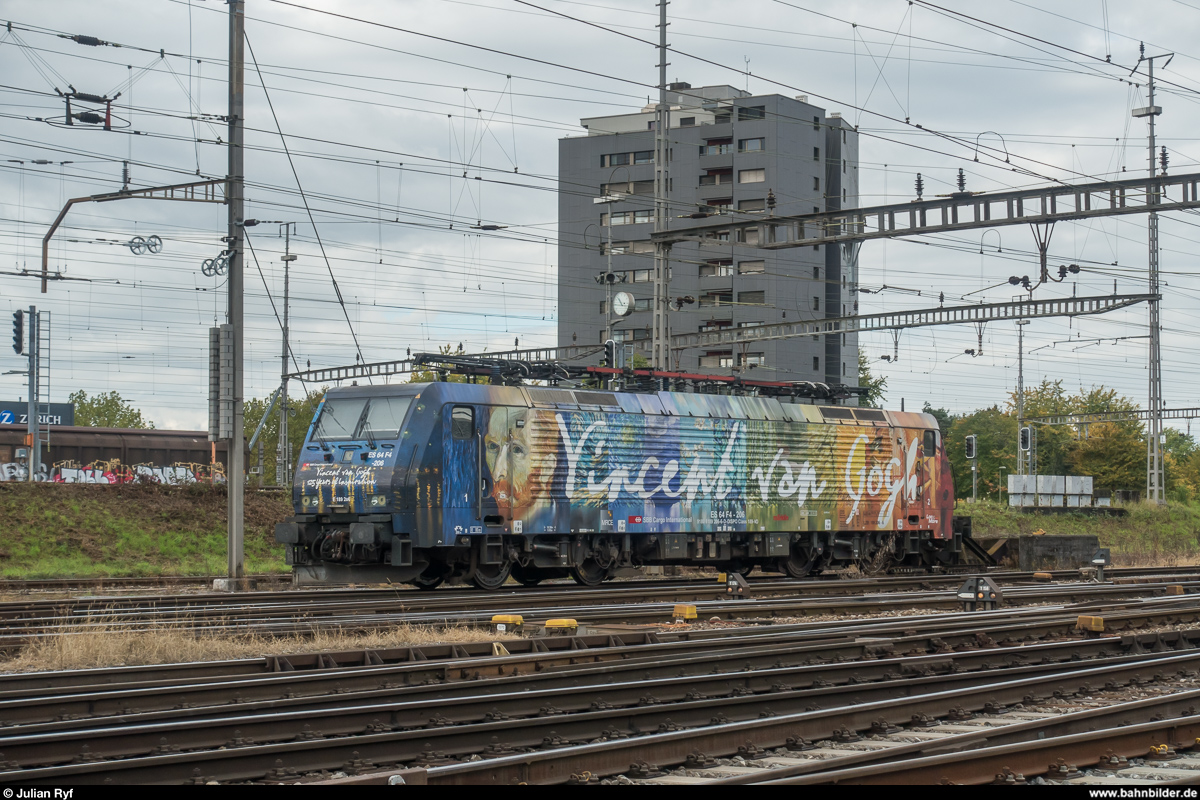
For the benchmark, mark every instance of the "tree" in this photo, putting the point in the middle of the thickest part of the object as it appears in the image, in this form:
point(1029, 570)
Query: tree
point(107, 410)
point(945, 418)
point(301, 411)
point(1113, 455)
point(1054, 442)
point(1179, 454)
point(874, 386)
point(995, 435)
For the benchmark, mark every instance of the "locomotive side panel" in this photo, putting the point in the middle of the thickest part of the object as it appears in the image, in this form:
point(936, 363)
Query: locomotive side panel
point(636, 473)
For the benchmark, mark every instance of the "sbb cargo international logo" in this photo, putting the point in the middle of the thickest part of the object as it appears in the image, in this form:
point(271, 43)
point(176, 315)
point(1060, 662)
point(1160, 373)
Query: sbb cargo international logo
point(635, 520)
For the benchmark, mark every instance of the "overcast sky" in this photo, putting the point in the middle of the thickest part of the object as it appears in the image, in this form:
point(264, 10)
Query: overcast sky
point(384, 122)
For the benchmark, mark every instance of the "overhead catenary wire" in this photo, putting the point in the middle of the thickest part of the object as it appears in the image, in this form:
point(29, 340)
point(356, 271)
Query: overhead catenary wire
point(316, 232)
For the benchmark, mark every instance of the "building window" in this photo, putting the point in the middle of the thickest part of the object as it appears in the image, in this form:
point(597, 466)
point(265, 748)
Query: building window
point(718, 177)
point(614, 160)
point(716, 269)
point(643, 157)
point(752, 298)
point(619, 336)
point(816, 304)
point(816, 273)
point(748, 324)
point(642, 304)
point(843, 135)
point(816, 123)
point(752, 176)
point(816, 211)
point(751, 112)
point(687, 122)
point(843, 369)
point(723, 115)
point(816, 184)
point(718, 360)
point(816, 363)
point(752, 205)
point(753, 360)
point(843, 197)
point(641, 333)
point(716, 147)
point(751, 267)
point(603, 306)
point(716, 325)
point(750, 145)
point(720, 202)
point(628, 187)
point(843, 165)
point(716, 298)
point(748, 235)
point(816, 154)
point(641, 275)
point(627, 218)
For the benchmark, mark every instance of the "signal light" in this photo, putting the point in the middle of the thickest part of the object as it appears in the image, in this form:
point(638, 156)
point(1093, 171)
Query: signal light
point(1025, 438)
point(19, 332)
point(970, 444)
point(610, 353)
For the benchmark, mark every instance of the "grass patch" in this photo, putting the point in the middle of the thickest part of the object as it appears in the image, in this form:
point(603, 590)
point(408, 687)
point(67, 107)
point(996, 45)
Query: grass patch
point(82, 530)
point(116, 647)
point(1151, 534)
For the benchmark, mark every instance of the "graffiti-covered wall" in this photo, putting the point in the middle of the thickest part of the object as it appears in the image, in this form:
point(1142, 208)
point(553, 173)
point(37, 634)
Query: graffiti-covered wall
point(115, 456)
point(115, 472)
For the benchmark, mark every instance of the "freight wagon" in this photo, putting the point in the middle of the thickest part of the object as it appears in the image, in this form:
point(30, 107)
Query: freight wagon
point(454, 482)
point(81, 454)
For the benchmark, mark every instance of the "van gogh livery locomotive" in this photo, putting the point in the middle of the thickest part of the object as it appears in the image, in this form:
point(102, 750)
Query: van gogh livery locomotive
point(458, 482)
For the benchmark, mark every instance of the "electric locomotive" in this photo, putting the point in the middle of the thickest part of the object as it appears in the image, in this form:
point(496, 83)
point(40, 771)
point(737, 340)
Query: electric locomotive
point(473, 483)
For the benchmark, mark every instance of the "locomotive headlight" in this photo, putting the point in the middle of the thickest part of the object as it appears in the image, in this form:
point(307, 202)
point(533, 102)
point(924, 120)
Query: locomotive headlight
point(378, 500)
point(306, 500)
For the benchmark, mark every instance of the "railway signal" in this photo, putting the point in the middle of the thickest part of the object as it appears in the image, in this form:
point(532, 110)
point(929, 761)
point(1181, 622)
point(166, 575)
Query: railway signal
point(610, 354)
point(1025, 438)
point(19, 332)
point(970, 448)
point(980, 593)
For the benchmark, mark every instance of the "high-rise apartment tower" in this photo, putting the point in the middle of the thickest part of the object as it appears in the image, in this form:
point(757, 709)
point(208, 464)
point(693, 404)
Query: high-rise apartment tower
point(735, 155)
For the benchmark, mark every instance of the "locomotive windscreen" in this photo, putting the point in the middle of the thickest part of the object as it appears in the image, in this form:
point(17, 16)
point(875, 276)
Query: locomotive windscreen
point(347, 418)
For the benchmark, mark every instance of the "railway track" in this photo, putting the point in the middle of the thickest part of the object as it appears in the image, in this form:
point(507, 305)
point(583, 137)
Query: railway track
point(31, 585)
point(300, 612)
point(592, 712)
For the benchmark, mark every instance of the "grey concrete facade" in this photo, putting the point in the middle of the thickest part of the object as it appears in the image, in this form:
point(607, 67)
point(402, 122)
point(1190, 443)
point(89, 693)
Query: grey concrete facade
point(730, 151)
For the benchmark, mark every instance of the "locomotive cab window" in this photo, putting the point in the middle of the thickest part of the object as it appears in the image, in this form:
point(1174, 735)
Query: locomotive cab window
point(385, 417)
point(339, 418)
point(350, 418)
point(930, 442)
point(462, 422)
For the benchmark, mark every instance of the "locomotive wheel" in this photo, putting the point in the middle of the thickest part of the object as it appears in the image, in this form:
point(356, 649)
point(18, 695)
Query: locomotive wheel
point(427, 582)
point(491, 577)
point(526, 576)
point(799, 564)
point(589, 573)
